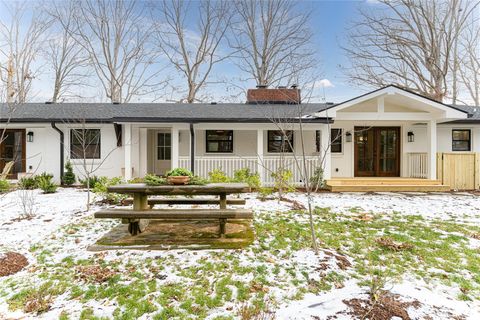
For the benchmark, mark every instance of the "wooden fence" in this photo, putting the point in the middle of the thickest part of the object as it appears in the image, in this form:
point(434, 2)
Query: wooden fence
point(459, 170)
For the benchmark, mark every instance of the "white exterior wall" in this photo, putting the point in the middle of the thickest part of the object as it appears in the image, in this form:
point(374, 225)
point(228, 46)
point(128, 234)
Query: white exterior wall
point(42, 155)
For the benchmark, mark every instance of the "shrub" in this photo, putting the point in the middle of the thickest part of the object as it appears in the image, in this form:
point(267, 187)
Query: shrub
point(136, 180)
point(244, 175)
point(265, 192)
point(218, 176)
point(179, 172)
point(46, 184)
point(153, 180)
point(101, 186)
point(68, 176)
point(317, 180)
point(4, 185)
point(282, 179)
point(28, 183)
point(93, 181)
point(43, 175)
point(196, 180)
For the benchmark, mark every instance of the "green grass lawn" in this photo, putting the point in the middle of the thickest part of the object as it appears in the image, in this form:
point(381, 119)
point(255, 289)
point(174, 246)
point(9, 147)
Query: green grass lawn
point(196, 284)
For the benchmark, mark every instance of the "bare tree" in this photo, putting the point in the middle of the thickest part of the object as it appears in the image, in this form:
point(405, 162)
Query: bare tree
point(22, 35)
point(470, 61)
point(116, 36)
point(410, 43)
point(272, 40)
point(67, 59)
point(193, 50)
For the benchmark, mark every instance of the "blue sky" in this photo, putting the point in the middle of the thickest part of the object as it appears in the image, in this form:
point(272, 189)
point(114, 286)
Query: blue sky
point(330, 20)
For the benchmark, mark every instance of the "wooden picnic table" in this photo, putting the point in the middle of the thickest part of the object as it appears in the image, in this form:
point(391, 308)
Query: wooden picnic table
point(141, 213)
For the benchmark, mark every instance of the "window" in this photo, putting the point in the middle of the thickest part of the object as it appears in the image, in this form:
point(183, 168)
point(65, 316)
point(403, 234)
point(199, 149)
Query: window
point(280, 141)
point(318, 141)
point(336, 140)
point(461, 140)
point(164, 146)
point(85, 143)
point(219, 141)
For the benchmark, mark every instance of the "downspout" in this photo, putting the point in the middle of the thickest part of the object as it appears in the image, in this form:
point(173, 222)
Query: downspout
point(62, 141)
point(192, 148)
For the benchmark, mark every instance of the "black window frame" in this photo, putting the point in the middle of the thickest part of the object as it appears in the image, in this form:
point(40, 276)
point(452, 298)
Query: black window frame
point(336, 140)
point(318, 140)
point(285, 147)
point(469, 140)
point(221, 142)
point(73, 147)
point(161, 149)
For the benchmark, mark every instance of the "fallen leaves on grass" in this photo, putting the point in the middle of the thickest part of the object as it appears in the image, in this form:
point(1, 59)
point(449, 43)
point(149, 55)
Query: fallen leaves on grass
point(94, 273)
point(388, 243)
point(363, 217)
point(475, 235)
point(11, 263)
point(38, 304)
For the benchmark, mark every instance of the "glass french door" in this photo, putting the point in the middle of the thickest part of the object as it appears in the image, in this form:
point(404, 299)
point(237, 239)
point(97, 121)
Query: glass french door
point(377, 151)
point(12, 148)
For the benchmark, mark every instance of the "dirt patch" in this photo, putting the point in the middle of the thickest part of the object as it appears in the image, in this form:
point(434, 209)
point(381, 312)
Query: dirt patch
point(11, 263)
point(94, 273)
point(385, 308)
point(388, 243)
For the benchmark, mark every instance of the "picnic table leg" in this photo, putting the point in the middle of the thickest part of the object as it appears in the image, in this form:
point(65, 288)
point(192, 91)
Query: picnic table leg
point(136, 226)
point(223, 222)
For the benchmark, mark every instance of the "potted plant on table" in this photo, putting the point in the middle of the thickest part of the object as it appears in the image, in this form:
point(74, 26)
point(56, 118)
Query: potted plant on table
point(179, 176)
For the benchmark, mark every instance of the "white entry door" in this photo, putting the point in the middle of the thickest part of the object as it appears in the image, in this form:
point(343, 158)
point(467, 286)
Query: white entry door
point(163, 155)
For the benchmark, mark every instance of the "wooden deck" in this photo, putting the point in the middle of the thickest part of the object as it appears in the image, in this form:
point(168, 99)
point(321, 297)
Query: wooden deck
point(378, 184)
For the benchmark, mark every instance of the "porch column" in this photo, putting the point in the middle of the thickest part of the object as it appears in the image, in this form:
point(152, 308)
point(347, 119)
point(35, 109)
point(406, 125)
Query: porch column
point(128, 152)
point(175, 148)
point(260, 162)
point(432, 149)
point(325, 152)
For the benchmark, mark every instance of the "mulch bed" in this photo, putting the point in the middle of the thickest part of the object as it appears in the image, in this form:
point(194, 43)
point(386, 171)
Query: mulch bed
point(11, 263)
point(385, 308)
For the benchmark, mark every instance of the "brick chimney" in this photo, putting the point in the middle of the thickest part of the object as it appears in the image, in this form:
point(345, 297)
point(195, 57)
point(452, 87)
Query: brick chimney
point(280, 95)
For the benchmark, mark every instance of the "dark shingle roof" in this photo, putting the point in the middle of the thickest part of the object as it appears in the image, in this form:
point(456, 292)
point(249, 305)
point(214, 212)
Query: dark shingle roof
point(158, 112)
point(473, 113)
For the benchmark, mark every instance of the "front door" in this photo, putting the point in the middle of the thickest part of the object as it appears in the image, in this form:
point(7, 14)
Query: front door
point(377, 151)
point(12, 148)
point(163, 152)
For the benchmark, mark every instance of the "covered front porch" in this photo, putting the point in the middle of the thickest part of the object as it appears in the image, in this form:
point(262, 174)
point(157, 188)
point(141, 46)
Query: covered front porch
point(203, 147)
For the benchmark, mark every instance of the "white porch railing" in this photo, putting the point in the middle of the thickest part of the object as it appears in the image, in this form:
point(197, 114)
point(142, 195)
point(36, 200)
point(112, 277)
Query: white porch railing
point(417, 164)
point(270, 164)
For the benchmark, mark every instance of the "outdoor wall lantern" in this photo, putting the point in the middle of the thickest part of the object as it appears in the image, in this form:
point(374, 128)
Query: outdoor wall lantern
point(30, 136)
point(411, 136)
point(348, 136)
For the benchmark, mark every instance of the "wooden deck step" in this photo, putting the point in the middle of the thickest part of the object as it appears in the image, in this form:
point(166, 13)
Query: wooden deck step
point(388, 188)
point(383, 181)
point(180, 214)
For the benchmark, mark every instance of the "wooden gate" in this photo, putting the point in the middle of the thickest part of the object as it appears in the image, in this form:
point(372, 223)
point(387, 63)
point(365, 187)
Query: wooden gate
point(459, 170)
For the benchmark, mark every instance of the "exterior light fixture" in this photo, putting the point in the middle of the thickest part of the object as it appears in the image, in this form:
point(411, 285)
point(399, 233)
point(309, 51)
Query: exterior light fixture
point(348, 136)
point(30, 136)
point(411, 136)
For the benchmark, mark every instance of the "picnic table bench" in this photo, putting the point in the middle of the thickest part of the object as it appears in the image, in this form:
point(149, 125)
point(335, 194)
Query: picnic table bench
point(138, 217)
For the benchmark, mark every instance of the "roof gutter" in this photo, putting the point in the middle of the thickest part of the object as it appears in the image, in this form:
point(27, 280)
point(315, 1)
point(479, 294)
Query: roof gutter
point(192, 148)
point(62, 141)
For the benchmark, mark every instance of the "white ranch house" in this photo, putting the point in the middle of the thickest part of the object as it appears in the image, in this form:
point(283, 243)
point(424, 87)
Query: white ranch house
point(389, 132)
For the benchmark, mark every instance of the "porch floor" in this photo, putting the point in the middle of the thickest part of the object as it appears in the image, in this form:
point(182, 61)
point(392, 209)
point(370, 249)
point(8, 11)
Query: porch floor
point(380, 184)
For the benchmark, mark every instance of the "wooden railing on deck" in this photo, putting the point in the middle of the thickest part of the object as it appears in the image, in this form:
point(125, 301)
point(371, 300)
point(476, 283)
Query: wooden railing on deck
point(270, 164)
point(417, 164)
